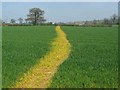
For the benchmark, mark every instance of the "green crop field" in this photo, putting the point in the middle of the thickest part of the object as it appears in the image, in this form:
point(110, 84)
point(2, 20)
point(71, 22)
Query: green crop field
point(93, 59)
point(22, 47)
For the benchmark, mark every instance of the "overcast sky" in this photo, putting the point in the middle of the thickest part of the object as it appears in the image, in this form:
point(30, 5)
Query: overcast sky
point(61, 11)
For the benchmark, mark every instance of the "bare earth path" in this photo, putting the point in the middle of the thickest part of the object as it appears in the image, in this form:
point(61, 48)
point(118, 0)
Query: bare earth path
point(41, 74)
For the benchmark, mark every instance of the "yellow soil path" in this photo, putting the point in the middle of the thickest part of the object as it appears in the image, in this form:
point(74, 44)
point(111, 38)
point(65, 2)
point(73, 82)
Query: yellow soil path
point(41, 74)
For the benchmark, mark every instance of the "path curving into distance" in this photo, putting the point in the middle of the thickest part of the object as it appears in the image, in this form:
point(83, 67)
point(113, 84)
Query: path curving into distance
point(41, 74)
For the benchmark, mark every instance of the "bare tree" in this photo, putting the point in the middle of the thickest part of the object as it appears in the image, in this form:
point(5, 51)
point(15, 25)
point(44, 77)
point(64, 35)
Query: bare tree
point(36, 16)
point(114, 19)
point(107, 22)
point(94, 22)
point(13, 21)
point(86, 23)
point(20, 20)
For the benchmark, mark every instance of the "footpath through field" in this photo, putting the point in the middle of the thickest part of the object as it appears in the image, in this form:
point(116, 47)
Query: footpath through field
point(41, 74)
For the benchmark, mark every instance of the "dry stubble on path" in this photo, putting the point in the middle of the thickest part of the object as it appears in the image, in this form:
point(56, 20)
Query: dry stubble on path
point(41, 74)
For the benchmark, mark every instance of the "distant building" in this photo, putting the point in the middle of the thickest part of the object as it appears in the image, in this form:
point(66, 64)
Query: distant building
point(78, 23)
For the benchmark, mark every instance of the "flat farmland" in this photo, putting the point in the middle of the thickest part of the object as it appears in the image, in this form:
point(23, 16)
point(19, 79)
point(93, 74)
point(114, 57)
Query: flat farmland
point(92, 61)
point(21, 49)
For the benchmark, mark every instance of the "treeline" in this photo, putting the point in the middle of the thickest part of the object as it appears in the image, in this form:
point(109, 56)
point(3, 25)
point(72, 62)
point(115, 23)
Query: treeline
point(36, 17)
point(113, 20)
